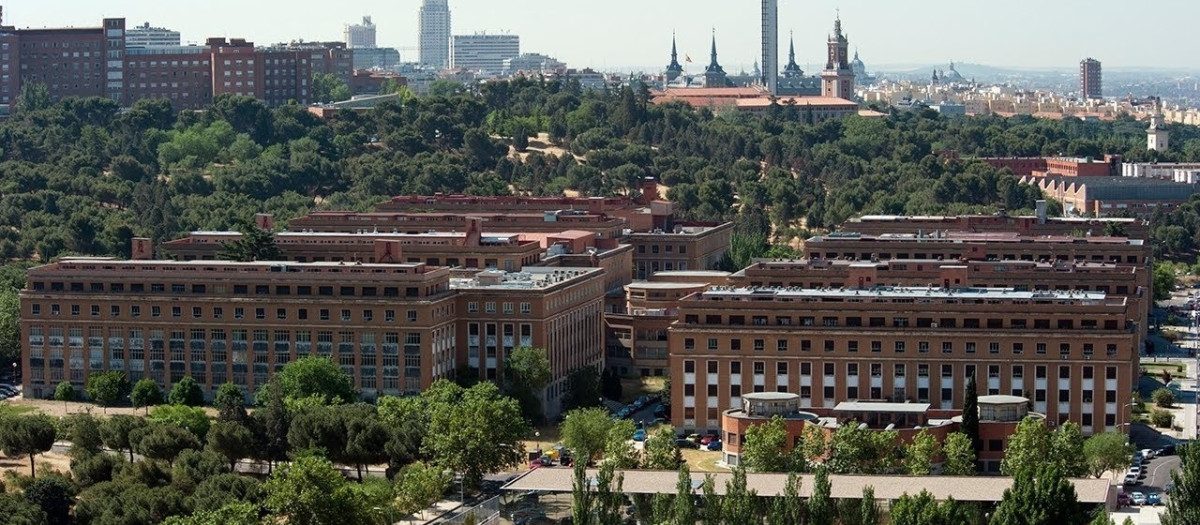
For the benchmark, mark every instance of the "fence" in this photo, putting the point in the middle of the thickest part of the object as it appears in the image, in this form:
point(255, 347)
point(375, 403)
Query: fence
point(485, 513)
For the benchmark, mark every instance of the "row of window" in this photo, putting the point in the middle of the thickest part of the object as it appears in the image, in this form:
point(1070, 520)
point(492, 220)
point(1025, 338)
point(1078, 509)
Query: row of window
point(666, 248)
point(220, 289)
point(898, 370)
point(905, 322)
point(901, 346)
point(218, 312)
point(1120, 290)
point(1116, 259)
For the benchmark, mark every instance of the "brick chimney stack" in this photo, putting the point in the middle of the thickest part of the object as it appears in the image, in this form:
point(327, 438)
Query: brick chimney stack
point(474, 231)
point(388, 251)
point(264, 221)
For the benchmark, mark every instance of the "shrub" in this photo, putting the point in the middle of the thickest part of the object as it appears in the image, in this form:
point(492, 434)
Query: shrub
point(1161, 418)
point(1164, 397)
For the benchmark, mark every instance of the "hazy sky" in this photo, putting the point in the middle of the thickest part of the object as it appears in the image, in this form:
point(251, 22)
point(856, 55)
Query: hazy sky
point(609, 34)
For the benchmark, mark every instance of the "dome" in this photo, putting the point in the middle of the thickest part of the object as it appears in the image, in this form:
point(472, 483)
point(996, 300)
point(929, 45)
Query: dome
point(952, 75)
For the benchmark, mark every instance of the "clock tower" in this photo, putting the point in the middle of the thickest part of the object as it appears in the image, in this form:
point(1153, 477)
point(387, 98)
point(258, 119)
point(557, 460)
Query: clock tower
point(837, 80)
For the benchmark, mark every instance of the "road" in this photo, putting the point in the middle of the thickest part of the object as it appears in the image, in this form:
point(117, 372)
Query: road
point(1159, 473)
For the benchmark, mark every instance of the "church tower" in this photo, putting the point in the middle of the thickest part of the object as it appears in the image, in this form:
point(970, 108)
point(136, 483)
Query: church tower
point(792, 69)
point(674, 69)
point(837, 80)
point(714, 74)
point(1157, 136)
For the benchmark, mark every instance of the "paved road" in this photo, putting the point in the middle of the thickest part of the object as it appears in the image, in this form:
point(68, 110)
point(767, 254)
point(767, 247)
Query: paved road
point(1159, 473)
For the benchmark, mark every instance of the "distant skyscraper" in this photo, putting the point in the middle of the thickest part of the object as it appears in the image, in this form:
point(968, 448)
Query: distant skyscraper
point(435, 33)
point(838, 79)
point(770, 45)
point(146, 36)
point(361, 36)
point(1089, 79)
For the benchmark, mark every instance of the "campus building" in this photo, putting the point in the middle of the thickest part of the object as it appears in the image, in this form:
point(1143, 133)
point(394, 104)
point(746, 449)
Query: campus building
point(1030, 225)
point(1073, 353)
point(221, 321)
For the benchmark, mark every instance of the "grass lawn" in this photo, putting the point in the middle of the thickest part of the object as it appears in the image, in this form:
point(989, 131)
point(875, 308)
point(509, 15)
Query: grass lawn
point(632, 387)
point(1156, 369)
point(9, 409)
point(702, 460)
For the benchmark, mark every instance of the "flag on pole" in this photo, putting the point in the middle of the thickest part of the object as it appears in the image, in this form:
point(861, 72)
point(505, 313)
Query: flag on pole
point(687, 58)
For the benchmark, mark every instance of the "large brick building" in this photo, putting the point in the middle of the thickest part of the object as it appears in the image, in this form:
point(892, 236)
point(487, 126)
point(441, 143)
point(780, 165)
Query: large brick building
point(394, 328)
point(1074, 354)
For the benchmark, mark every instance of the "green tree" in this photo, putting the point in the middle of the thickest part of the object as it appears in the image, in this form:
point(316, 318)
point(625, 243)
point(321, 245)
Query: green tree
point(186, 392)
point(318, 430)
point(220, 490)
point(1101, 518)
point(27, 436)
point(1067, 450)
point(311, 377)
point(1163, 281)
point(618, 447)
point(582, 498)
point(193, 467)
point(970, 416)
point(685, 498)
point(527, 372)
point(660, 450)
point(309, 491)
point(230, 403)
point(231, 514)
point(255, 244)
point(446, 88)
point(764, 447)
point(473, 431)
point(1164, 398)
point(1028, 447)
point(869, 512)
point(787, 508)
point(1106, 452)
point(820, 504)
point(10, 325)
point(118, 430)
point(54, 495)
point(96, 468)
point(146, 393)
point(193, 419)
point(740, 505)
point(366, 442)
point(583, 389)
point(232, 440)
point(163, 441)
point(65, 392)
point(1161, 418)
point(34, 96)
point(270, 424)
point(960, 456)
point(585, 432)
point(919, 455)
point(18, 511)
point(85, 434)
point(107, 388)
point(418, 486)
point(1040, 495)
point(327, 87)
point(1183, 506)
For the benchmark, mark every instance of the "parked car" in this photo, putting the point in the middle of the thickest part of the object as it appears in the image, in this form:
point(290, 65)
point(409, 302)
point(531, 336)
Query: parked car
point(1170, 487)
point(694, 438)
point(708, 439)
point(714, 444)
point(1154, 498)
point(1148, 454)
point(683, 443)
point(1123, 500)
point(1138, 498)
point(1131, 479)
point(1136, 471)
point(639, 434)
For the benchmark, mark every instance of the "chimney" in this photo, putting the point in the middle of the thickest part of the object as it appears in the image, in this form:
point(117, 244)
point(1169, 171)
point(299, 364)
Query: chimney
point(862, 276)
point(1041, 211)
point(596, 205)
point(388, 251)
point(474, 231)
point(649, 190)
point(141, 249)
point(264, 221)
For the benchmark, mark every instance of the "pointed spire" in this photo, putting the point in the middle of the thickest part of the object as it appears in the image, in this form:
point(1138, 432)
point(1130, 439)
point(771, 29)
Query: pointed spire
point(674, 68)
point(791, 47)
point(714, 66)
point(837, 23)
point(674, 53)
point(714, 45)
point(792, 69)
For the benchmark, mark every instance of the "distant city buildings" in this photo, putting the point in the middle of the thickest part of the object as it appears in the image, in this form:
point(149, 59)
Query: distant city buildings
point(376, 58)
point(146, 36)
point(483, 52)
point(434, 45)
point(361, 35)
point(532, 63)
point(1090, 86)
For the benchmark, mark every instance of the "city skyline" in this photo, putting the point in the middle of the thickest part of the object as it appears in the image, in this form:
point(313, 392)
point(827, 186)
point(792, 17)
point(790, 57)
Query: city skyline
point(626, 34)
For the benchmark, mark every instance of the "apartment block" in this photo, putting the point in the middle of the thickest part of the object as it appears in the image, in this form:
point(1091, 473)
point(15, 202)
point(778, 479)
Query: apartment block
point(1072, 353)
point(685, 246)
point(1030, 225)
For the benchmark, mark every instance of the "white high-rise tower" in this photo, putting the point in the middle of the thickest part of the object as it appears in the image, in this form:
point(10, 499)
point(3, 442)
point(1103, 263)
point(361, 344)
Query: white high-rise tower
point(435, 34)
point(770, 45)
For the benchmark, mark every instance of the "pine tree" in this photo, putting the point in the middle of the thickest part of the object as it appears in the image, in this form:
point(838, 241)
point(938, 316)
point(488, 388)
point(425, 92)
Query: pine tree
point(820, 505)
point(787, 508)
point(1183, 507)
point(740, 505)
point(685, 504)
point(1040, 496)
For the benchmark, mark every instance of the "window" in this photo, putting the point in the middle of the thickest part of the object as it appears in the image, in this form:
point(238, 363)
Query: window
point(689, 367)
point(735, 367)
point(712, 343)
point(781, 368)
point(412, 316)
point(947, 347)
point(689, 343)
point(712, 366)
point(368, 315)
point(876, 370)
point(472, 307)
point(970, 348)
point(899, 347)
point(781, 345)
point(260, 313)
point(345, 315)
point(923, 347)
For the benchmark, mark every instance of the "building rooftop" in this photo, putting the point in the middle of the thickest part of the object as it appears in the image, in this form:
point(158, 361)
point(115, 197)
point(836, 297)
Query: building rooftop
point(882, 407)
point(842, 486)
point(530, 278)
point(718, 293)
point(955, 237)
point(1002, 400)
point(906, 218)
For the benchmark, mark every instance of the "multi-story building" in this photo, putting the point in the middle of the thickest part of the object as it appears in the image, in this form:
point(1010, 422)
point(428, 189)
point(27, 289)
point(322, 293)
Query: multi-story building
point(1107, 196)
point(146, 36)
point(434, 49)
point(1030, 225)
point(361, 35)
point(1074, 354)
point(375, 58)
point(331, 58)
point(484, 53)
point(181, 74)
point(682, 246)
point(222, 321)
point(1090, 86)
point(72, 62)
point(1188, 172)
point(607, 229)
point(636, 333)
